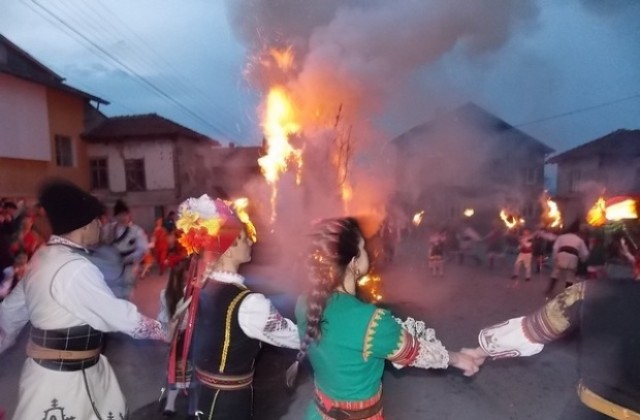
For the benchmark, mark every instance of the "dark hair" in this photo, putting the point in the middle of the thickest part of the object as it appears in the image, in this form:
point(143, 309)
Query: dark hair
point(175, 285)
point(9, 205)
point(334, 243)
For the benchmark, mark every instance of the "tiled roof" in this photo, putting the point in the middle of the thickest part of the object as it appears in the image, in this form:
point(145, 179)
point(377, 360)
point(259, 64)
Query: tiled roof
point(141, 127)
point(17, 62)
point(618, 143)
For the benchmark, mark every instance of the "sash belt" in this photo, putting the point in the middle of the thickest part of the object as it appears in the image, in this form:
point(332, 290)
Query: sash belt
point(569, 250)
point(357, 410)
point(606, 407)
point(36, 351)
point(224, 382)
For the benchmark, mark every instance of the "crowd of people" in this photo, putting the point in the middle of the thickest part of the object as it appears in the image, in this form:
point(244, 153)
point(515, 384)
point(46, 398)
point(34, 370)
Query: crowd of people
point(216, 324)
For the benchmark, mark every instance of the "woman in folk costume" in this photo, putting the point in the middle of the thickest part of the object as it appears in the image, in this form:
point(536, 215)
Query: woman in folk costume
point(70, 307)
point(347, 341)
point(228, 321)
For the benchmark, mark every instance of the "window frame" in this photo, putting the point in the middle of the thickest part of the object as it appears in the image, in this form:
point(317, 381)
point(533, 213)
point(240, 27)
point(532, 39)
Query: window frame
point(131, 184)
point(92, 170)
point(63, 158)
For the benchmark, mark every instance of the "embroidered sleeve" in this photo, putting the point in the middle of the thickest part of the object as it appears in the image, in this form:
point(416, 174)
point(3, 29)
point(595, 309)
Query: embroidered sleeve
point(148, 328)
point(426, 352)
point(526, 336)
point(259, 319)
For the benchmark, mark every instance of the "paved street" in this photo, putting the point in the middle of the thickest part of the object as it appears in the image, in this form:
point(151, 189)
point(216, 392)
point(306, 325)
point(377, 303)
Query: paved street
point(457, 306)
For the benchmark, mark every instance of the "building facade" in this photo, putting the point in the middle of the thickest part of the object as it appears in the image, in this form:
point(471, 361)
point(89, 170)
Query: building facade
point(470, 159)
point(41, 122)
point(607, 166)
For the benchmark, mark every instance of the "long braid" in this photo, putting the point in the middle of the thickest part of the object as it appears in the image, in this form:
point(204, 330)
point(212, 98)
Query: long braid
point(334, 243)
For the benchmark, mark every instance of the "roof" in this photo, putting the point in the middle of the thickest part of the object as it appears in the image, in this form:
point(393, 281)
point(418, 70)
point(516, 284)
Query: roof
point(473, 114)
point(141, 127)
point(618, 143)
point(17, 62)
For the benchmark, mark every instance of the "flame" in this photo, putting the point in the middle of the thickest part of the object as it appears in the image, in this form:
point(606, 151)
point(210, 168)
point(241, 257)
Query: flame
point(279, 122)
point(417, 218)
point(553, 214)
point(469, 212)
point(240, 206)
point(596, 216)
point(283, 58)
point(623, 210)
point(511, 220)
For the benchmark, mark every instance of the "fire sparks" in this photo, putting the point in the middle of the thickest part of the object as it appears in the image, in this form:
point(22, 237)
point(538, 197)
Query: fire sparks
point(240, 205)
point(510, 220)
point(284, 58)
point(279, 122)
point(469, 212)
point(417, 218)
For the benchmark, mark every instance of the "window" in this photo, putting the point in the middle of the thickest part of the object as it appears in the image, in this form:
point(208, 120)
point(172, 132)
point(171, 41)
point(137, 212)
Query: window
point(530, 176)
point(574, 180)
point(134, 173)
point(99, 174)
point(64, 151)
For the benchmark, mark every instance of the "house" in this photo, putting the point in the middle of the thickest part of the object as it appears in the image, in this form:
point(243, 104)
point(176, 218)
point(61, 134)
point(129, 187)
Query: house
point(41, 120)
point(609, 165)
point(153, 164)
point(469, 159)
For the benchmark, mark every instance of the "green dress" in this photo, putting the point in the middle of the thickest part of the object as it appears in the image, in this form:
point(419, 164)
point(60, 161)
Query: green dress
point(357, 337)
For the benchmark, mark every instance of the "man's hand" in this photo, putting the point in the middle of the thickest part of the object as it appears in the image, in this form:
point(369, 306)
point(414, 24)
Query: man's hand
point(478, 354)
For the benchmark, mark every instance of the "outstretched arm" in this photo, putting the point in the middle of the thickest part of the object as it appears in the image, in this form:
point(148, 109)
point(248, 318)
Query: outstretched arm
point(259, 319)
point(526, 336)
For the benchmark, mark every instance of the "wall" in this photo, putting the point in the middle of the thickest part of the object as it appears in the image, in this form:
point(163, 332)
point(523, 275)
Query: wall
point(24, 121)
point(158, 162)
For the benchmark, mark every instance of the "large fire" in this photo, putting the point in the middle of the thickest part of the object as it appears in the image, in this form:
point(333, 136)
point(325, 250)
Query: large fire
point(279, 122)
point(511, 220)
point(613, 210)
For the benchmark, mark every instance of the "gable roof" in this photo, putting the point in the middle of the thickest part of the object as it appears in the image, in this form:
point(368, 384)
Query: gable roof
point(17, 62)
point(617, 143)
point(141, 127)
point(470, 113)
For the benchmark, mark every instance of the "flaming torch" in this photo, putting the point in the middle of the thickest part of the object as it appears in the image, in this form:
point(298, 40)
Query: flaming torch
point(240, 206)
point(469, 212)
point(551, 215)
point(620, 208)
point(511, 220)
point(417, 218)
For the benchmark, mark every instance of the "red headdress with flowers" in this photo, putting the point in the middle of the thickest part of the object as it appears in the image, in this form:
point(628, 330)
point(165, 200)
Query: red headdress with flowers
point(207, 225)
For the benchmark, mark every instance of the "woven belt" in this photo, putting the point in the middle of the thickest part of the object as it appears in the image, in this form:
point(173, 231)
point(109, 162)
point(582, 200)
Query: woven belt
point(599, 404)
point(36, 351)
point(338, 410)
point(224, 382)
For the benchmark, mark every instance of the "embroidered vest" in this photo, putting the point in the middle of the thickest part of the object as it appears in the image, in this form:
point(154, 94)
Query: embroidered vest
point(219, 344)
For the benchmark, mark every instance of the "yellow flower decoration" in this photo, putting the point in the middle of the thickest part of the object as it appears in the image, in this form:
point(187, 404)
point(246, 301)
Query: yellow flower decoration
point(187, 220)
point(212, 225)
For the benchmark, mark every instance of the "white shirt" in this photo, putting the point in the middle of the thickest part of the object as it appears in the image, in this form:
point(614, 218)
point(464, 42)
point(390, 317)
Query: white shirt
point(63, 289)
point(574, 241)
point(259, 319)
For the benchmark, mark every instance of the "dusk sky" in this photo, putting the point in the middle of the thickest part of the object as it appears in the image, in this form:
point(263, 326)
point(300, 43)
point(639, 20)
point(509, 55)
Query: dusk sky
point(572, 65)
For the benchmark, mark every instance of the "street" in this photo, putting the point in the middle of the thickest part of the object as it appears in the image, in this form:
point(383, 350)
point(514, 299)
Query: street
point(457, 305)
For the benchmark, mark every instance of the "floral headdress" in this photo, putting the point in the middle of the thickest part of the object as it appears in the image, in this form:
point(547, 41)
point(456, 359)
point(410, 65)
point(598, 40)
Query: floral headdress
point(207, 224)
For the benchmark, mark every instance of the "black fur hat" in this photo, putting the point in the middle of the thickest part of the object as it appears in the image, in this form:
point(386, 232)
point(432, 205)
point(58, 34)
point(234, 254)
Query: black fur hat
point(68, 207)
point(120, 207)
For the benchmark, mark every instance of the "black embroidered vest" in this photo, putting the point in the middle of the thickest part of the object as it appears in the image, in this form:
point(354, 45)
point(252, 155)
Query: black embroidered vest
point(219, 344)
point(610, 345)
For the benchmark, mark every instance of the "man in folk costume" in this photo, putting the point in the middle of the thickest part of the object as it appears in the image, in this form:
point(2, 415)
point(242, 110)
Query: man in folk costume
point(606, 315)
point(525, 255)
point(227, 320)
point(130, 240)
point(70, 307)
point(568, 250)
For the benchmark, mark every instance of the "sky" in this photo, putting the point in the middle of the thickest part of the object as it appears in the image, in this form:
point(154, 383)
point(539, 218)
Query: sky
point(565, 72)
